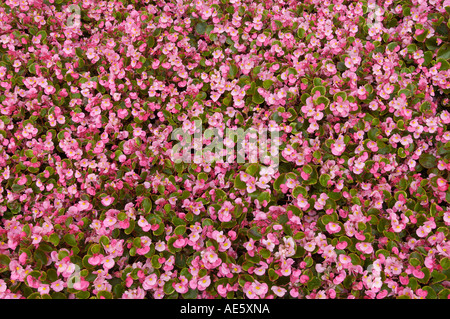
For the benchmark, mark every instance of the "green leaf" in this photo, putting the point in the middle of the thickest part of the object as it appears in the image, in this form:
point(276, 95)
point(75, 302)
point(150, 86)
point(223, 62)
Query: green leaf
point(83, 294)
point(58, 295)
point(427, 160)
point(220, 193)
point(373, 133)
point(27, 229)
point(238, 183)
point(4, 260)
point(40, 255)
point(180, 230)
point(202, 176)
point(130, 228)
point(105, 294)
point(272, 274)
point(147, 205)
point(307, 169)
point(254, 233)
point(299, 190)
point(295, 210)
point(155, 262)
point(70, 239)
point(157, 32)
point(391, 46)
point(32, 68)
point(427, 276)
point(267, 84)
point(437, 276)
point(17, 188)
point(265, 253)
point(444, 294)
point(253, 169)
point(168, 288)
point(444, 52)
point(427, 56)
point(257, 98)
point(323, 179)
point(150, 42)
point(232, 71)
point(411, 48)
point(280, 180)
point(423, 36)
point(314, 283)
point(444, 65)
point(309, 261)
point(341, 94)
point(341, 66)
point(191, 294)
point(34, 295)
point(431, 293)
point(79, 52)
point(29, 153)
point(256, 70)
point(54, 239)
point(445, 263)
point(264, 196)
point(321, 89)
point(322, 100)
point(201, 27)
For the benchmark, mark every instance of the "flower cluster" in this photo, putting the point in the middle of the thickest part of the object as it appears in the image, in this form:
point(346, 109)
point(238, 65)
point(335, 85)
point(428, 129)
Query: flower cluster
point(93, 206)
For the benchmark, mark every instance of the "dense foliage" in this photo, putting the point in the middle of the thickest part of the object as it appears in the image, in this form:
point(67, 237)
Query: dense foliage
point(93, 205)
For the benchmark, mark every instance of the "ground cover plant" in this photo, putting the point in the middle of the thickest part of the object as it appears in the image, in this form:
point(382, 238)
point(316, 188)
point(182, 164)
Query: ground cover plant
point(352, 200)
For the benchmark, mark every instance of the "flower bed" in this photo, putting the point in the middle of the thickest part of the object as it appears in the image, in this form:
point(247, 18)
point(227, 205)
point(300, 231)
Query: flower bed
point(351, 201)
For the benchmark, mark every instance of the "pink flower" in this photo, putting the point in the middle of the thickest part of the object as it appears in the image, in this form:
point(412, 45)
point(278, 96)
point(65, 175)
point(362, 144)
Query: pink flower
point(144, 224)
point(96, 259)
point(180, 287)
point(107, 200)
point(259, 288)
point(57, 285)
point(344, 259)
point(211, 256)
point(44, 289)
point(250, 245)
point(302, 202)
point(365, 248)
point(421, 232)
point(109, 221)
point(279, 291)
point(303, 279)
point(333, 228)
point(244, 176)
point(84, 205)
point(224, 213)
point(442, 184)
point(81, 284)
point(310, 246)
point(418, 273)
point(447, 218)
point(222, 290)
point(248, 290)
point(251, 187)
point(180, 243)
point(203, 283)
point(338, 148)
point(150, 282)
point(108, 262)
